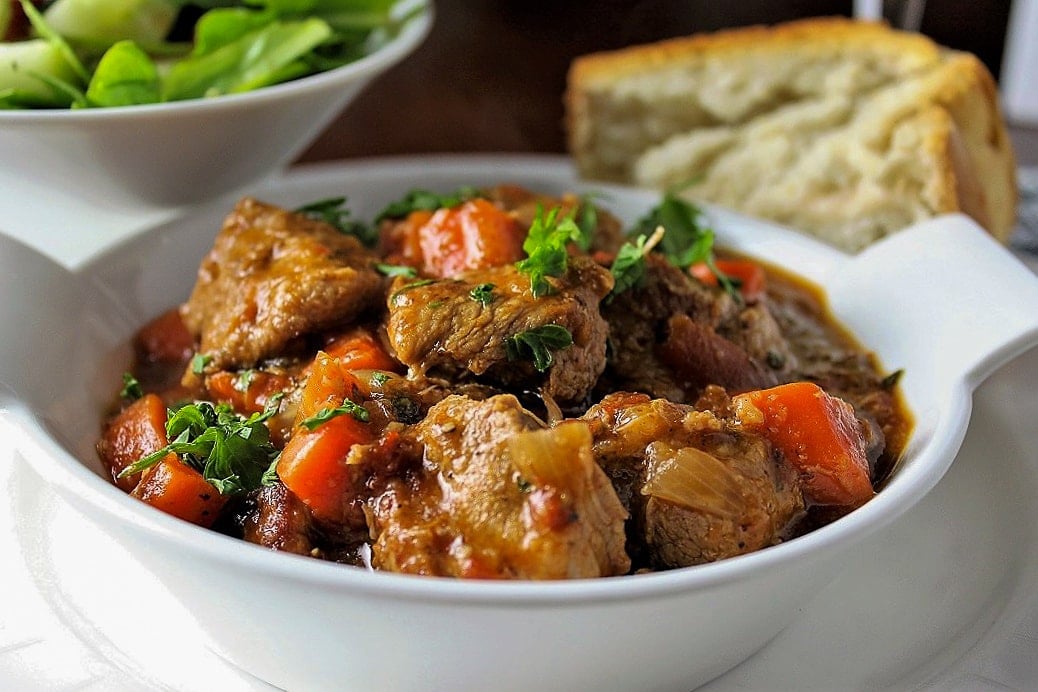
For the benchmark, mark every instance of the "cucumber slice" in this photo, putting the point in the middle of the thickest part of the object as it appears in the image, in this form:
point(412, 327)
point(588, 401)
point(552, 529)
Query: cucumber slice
point(98, 24)
point(29, 68)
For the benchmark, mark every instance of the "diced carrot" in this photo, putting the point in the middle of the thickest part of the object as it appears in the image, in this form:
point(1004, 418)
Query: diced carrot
point(819, 436)
point(358, 349)
point(226, 387)
point(313, 462)
point(175, 488)
point(328, 384)
point(165, 339)
point(473, 235)
point(137, 431)
point(313, 465)
point(400, 240)
point(748, 275)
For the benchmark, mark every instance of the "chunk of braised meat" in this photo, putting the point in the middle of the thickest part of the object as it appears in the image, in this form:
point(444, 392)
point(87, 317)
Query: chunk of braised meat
point(271, 277)
point(672, 335)
point(440, 327)
point(280, 521)
point(497, 495)
point(698, 487)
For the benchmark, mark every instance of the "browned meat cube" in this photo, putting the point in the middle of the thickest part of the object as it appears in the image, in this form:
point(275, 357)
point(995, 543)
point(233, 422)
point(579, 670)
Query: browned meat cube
point(271, 277)
point(699, 488)
point(280, 522)
point(441, 326)
point(499, 496)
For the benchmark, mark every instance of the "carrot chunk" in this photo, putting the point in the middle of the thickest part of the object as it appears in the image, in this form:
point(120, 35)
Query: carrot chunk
point(175, 488)
point(165, 339)
point(819, 435)
point(358, 349)
point(748, 276)
point(246, 392)
point(313, 463)
point(137, 431)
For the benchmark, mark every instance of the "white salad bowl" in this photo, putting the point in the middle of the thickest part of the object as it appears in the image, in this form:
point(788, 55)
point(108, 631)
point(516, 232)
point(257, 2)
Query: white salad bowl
point(57, 165)
point(941, 301)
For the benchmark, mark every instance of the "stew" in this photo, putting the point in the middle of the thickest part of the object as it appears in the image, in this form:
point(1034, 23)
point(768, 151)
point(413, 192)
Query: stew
point(497, 383)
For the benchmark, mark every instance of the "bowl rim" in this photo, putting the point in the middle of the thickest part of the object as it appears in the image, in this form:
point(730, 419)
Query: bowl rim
point(413, 31)
point(81, 486)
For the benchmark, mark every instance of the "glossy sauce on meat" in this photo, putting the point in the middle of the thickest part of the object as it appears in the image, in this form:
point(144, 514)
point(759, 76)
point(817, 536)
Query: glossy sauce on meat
point(431, 405)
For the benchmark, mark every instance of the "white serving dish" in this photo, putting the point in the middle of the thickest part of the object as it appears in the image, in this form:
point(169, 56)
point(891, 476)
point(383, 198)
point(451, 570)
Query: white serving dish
point(941, 300)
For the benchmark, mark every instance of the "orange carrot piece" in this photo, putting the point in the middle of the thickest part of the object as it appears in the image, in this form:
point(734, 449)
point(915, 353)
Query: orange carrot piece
point(819, 436)
point(313, 462)
point(137, 431)
point(225, 387)
point(313, 465)
point(358, 349)
point(749, 276)
point(165, 339)
point(175, 488)
point(474, 235)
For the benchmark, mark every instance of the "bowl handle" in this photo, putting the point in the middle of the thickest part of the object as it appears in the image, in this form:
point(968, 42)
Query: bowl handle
point(947, 283)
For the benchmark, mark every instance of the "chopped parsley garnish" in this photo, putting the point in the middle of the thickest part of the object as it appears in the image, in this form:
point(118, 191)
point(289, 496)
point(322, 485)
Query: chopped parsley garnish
point(483, 294)
point(688, 240)
point(396, 270)
point(233, 453)
point(348, 408)
point(538, 344)
point(131, 387)
point(586, 218)
point(545, 247)
point(243, 380)
point(891, 381)
point(424, 200)
point(379, 378)
point(199, 361)
point(333, 211)
point(628, 268)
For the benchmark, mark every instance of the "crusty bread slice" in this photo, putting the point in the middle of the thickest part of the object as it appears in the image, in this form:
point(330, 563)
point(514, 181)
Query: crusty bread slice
point(846, 130)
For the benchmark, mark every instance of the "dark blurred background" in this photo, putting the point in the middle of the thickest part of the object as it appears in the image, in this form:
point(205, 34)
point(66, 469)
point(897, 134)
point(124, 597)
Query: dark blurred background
point(491, 75)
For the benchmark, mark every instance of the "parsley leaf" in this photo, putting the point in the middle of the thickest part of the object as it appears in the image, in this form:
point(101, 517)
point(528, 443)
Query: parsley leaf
point(628, 268)
point(131, 387)
point(688, 239)
point(483, 294)
point(545, 247)
point(396, 270)
point(537, 345)
point(424, 200)
point(199, 361)
point(586, 218)
point(327, 413)
point(233, 453)
point(333, 211)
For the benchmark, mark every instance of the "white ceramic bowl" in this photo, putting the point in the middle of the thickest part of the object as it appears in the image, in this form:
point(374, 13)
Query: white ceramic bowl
point(166, 155)
point(940, 300)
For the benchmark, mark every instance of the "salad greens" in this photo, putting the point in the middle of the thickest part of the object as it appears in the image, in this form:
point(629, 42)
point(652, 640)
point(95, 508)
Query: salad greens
point(102, 53)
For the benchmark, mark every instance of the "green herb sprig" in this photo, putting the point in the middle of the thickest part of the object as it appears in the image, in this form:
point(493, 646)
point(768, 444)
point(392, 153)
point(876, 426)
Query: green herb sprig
point(424, 200)
point(538, 345)
point(628, 268)
point(348, 408)
point(546, 249)
point(233, 453)
point(333, 211)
